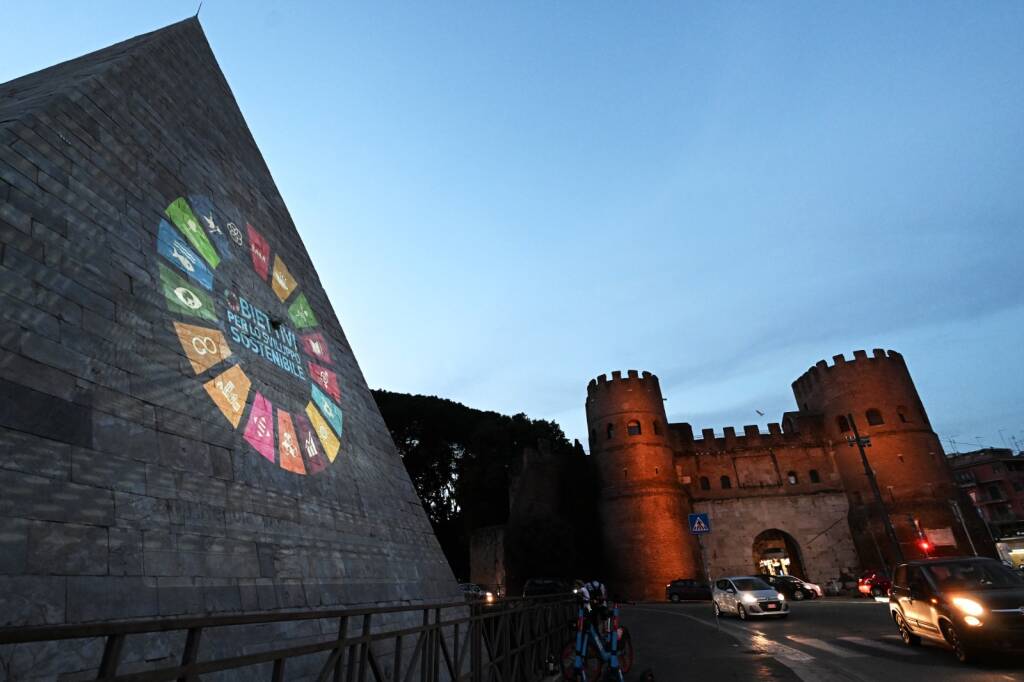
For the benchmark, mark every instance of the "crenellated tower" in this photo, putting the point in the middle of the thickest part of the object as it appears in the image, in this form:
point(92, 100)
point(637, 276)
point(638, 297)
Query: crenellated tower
point(643, 506)
point(910, 466)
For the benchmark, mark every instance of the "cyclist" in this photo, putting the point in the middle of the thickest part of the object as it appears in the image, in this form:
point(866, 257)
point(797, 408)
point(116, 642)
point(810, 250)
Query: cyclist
point(594, 597)
point(595, 613)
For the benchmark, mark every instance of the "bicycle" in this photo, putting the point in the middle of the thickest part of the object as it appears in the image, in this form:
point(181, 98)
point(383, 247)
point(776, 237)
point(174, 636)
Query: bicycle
point(584, 657)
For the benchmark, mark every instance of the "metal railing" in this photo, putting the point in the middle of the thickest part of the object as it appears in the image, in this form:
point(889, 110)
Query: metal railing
point(508, 641)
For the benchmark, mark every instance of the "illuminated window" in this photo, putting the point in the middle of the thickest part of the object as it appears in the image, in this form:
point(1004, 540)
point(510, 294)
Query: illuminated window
point(792, 478)
point(705, 484)
point(726, 483)
point(874, 417)
point(633, 428)
point(902, 412)
point(843, 425)
point(813, 474)
point(611, 431)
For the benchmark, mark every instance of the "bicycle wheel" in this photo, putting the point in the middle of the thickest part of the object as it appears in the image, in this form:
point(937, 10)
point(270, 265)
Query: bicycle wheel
point(592, 662)
point(626, 653)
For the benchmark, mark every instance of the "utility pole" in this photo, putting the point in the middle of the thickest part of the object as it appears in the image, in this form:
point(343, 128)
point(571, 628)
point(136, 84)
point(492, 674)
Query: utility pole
point(861, 443)
point(963, 524)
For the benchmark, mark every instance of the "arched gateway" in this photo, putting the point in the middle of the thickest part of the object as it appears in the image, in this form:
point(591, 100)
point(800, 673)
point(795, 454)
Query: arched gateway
point(777, 553)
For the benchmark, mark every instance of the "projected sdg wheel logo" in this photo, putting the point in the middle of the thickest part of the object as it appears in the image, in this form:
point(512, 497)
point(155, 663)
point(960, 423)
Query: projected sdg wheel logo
point(250, 334)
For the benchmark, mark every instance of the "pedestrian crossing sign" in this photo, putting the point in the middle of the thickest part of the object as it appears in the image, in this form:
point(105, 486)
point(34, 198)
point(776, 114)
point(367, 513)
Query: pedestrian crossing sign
point(700, 524)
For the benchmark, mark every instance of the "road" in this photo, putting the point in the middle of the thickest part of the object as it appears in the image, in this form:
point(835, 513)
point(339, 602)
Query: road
point(822, 641)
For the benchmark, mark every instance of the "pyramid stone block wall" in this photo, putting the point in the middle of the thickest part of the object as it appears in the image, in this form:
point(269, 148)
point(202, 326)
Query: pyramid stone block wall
point(183, 425)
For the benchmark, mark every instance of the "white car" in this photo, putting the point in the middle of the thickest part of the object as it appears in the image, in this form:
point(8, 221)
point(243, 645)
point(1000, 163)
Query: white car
point(748, 597)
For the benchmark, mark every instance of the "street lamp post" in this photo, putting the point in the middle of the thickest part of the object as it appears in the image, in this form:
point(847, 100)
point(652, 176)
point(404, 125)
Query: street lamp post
point(861, 443)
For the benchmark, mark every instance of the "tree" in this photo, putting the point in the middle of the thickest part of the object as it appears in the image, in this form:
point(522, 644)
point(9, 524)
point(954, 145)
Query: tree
point(460, 459)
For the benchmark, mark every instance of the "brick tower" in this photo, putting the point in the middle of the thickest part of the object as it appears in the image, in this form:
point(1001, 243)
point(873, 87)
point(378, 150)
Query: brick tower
point(643, 507)
point(905, 453)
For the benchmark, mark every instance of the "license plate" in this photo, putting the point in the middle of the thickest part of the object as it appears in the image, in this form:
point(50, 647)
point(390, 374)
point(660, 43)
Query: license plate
point(772, 607)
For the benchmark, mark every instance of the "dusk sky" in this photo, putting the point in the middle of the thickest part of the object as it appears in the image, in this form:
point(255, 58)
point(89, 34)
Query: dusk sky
point(504, 200)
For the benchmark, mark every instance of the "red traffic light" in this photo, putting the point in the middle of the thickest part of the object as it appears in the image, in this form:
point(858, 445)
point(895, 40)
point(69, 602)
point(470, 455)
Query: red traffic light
point(924, 545)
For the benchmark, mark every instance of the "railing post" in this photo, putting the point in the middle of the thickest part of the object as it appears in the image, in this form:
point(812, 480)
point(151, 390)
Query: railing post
point(397, 675)
point(278, 673)
point(111, 656)
point(457, 653)
point(425, 650)
point(364, 648)
point(190, 653)
point(475, 647)
point(438, 634)
point(506, 661)
point(339, 664)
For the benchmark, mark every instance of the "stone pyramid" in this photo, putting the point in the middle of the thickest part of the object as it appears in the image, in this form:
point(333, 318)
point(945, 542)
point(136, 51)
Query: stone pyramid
point(184, 427)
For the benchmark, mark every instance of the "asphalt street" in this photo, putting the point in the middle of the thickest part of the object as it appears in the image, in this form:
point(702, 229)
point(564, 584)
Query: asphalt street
point(822, 641)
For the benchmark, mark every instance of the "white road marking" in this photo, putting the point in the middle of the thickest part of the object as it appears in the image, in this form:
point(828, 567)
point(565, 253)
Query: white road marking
point(804, 665)
point(825, 646)
point(901, 649)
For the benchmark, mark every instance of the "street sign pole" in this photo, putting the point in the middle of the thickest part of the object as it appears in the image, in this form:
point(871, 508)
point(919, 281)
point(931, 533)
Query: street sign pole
point(707, 576)
point(700, 525)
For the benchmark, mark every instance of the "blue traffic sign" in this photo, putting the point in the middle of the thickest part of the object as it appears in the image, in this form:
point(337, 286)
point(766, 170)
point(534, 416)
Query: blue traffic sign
point(700, 524)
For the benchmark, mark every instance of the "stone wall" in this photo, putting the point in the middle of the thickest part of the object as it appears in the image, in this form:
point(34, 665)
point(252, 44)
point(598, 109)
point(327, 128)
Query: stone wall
point(487, 558)
point(170, 444)
point(817, 522)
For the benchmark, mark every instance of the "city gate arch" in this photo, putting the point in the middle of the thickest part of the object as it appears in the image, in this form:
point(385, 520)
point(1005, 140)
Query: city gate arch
point(778, 553)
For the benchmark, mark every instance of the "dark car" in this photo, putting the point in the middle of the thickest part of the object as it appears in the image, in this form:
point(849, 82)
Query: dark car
point(686, 589)
point(972, 604)
point(538, 587)
point(794, 588)
point(873, 583)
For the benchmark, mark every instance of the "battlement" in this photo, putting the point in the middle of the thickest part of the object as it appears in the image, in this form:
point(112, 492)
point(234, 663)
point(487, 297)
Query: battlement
point(632, 378)
point(821, 369)
point(751, 438)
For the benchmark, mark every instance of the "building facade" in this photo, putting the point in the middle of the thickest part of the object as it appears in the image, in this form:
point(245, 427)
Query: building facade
point(793, 499)
point(993, 479)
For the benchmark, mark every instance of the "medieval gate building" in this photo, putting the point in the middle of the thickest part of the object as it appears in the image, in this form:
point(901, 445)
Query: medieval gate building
point(795, 499)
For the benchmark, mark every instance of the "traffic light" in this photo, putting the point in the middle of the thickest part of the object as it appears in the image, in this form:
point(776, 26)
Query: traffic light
point(924, 545)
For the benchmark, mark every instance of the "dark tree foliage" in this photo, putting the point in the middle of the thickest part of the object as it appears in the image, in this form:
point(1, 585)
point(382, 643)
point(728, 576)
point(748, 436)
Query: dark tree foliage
point(460, 460)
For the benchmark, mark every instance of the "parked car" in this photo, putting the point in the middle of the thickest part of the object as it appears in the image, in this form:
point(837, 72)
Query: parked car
point(794, 588)
point(748, 597)
point(971, 604)
point(874, 583)
point(473, 592)
point(686, 589)
point(537, 587)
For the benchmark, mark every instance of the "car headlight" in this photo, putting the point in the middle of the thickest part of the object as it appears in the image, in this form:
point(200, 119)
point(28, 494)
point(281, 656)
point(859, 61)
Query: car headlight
point(968, 606)
point(749, 599)
point(782, 597)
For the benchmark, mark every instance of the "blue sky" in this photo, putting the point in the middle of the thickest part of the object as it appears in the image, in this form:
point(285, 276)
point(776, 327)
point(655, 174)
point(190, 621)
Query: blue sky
point(506, 199)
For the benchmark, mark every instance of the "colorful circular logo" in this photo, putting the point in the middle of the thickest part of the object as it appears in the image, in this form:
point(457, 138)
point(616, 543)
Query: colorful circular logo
point(250, 334)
